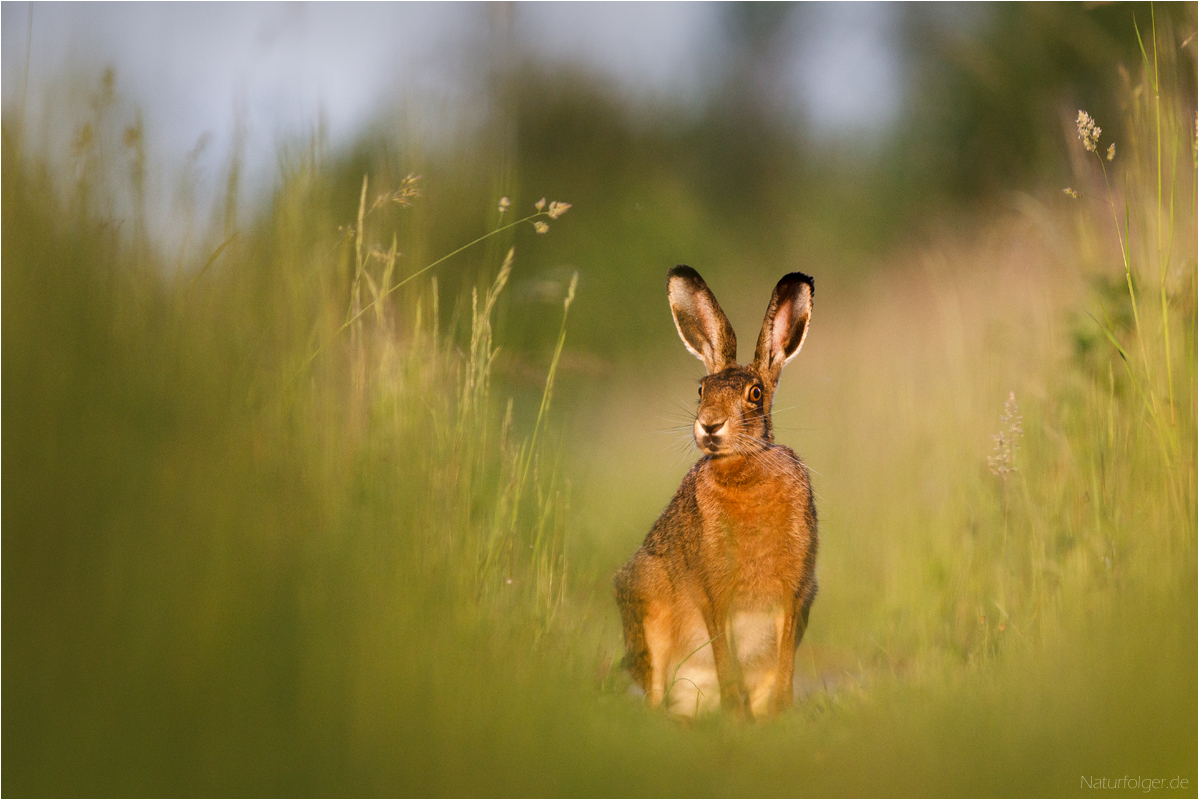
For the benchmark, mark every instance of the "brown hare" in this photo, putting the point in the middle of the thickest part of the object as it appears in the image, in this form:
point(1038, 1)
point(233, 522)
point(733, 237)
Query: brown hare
point(716, 600)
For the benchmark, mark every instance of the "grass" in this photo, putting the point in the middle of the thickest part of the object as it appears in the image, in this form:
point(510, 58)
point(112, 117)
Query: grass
point(288, 521)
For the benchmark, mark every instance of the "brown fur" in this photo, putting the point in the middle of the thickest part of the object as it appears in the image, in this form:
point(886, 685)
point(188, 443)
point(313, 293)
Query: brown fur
point(737, 543)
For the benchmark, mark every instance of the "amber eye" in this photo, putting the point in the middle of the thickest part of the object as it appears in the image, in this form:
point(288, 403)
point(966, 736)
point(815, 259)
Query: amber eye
point(755, 394)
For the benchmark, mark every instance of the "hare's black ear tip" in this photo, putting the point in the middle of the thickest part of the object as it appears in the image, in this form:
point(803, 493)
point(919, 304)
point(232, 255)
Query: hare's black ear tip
point(682, 271)
point(798, 278)
point(683, 275)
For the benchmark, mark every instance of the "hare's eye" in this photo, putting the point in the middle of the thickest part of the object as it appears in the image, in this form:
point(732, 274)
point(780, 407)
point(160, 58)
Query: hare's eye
point(701, 390)
point(755, 394)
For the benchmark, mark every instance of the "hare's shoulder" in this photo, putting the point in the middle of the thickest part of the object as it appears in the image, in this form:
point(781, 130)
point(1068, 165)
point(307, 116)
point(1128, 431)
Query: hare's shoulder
point(788, 457)
point(680, 522)
point(803, 481)
point(786, 462)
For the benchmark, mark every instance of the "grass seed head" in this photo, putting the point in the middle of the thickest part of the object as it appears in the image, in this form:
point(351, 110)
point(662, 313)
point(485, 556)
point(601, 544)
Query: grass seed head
point(1007, 441)
point(1088, 131)
point(1073, 195)
point(557, 209)
point(570, 291)
point(540, 204)
point(402, 196)
point(504, 203)
point(540, 226)
point(1111, 151)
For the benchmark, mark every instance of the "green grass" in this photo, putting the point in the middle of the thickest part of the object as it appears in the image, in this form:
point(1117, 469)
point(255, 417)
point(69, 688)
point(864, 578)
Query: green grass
point(265, 535)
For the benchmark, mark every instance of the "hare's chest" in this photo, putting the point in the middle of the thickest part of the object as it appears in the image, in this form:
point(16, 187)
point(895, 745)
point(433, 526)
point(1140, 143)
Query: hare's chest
point(752, 543)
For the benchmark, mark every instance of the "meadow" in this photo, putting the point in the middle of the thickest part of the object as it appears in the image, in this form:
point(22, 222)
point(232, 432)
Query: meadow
point(329, 501)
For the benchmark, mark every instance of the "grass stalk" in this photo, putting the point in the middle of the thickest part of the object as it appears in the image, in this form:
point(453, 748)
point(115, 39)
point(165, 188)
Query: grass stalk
point(353, 318)
point(528, 451)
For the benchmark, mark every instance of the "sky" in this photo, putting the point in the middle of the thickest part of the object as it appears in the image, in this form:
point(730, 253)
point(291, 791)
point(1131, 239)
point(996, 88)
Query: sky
point(197, 70)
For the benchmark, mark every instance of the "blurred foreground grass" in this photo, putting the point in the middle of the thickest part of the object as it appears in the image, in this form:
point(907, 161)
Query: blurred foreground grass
point(232, 568)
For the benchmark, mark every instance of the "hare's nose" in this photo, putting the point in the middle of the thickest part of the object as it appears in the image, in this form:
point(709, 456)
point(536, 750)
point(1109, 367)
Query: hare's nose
point(711, 429)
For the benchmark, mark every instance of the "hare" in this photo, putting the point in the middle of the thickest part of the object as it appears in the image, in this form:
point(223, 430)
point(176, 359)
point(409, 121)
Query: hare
point(715, 602)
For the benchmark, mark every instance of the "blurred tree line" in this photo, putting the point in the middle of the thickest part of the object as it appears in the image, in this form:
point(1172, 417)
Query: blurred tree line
point(989, 84)
point(742, 182)
point(739, 184)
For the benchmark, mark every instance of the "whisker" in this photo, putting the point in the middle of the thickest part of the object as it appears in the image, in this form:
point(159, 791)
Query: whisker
point(784, 408)
point(683, 442)
point(684, 453)
point(680, 445)
point(688, 409)
point(682, 434)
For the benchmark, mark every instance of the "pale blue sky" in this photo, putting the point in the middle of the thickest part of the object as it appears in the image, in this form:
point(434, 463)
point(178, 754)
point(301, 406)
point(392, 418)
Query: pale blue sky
point(194, 68)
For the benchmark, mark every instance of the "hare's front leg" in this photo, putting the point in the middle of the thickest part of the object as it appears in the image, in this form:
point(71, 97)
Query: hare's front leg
point(658, 626)
point(791, 625)
point(733, 695)
point(785, 622)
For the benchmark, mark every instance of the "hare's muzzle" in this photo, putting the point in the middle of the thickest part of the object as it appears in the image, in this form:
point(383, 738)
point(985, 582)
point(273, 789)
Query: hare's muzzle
point(708, 434)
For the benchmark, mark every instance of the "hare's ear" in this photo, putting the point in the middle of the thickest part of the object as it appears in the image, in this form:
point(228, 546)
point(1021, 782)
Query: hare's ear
point(785, 326)
point(702, 325)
